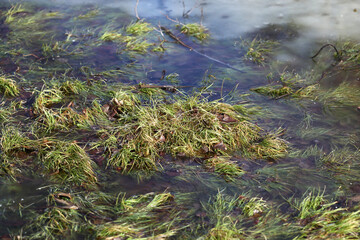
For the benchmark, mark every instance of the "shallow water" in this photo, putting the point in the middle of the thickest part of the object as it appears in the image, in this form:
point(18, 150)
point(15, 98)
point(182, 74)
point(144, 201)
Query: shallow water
point(300, 26)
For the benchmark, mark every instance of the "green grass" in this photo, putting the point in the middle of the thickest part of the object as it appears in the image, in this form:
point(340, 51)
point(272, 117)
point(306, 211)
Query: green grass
point(191, 127)
point(138, 28)
point(225, 167)
point(111, 37)
point(13, 11)
point(258, 50)
point(195, 30)
point(321, 220)
point(67, 163)
point(8, 87)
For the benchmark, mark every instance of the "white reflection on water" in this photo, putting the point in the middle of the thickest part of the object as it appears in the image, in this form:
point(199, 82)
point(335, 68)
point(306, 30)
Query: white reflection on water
point(318, 19)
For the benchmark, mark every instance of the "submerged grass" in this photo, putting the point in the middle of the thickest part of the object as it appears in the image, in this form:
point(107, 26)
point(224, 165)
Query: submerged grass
point(105, 216)
point(195, 30)
point(8, 87)
point(321, 220)
point(67, 163)
point(138, 28)
point(258, 50)
point(61, 161)
point(191, 127)
point(132, 127)
point(225, 167)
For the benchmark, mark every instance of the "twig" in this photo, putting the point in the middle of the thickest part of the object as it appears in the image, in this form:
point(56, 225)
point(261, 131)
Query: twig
point(202, 16)
point(326, 45)
point(175, 21)
point(136, 11)
point(186, 14)
point(178, 40)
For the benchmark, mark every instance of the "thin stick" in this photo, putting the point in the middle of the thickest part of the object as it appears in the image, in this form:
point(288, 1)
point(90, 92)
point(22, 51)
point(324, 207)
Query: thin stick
point(175, 21)
point(326, 45)
point(136, 11)
point(202, 16)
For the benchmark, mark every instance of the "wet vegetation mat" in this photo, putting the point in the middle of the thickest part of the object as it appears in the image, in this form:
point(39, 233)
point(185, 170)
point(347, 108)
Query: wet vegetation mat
point(117, 128)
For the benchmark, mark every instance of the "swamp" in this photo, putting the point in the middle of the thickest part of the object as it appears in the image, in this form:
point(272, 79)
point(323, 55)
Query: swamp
point(194, 119)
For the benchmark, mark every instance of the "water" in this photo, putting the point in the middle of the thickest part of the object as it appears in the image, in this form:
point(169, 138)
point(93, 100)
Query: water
point(301, 27)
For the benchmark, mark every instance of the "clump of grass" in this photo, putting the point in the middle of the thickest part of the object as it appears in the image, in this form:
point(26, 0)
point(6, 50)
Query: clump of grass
point(56, 223)
point(219, 211)
point(224, 167)
point(344, 95)
point(46, 98)
point(138, 28)
point(339, 157)
point(52, 50)
point(195, 30)
point(258, 50)
point(191, 127)
point(138, 46)
point(67, 163)
point(8, 87)
point(349, 55)
point(29, 27)
point(291, 84)
point(273, 91)
point(13, 11)
point(111, 37)
point(72, 87)
point(254, 206)
point(63, 161)
point(89, 14)
point(139, 218)
point(13, 140)
point(270, 146)
point(322, 221)
point(228, 216)
point(131, 43)
point(12, 143)
point(5, 114)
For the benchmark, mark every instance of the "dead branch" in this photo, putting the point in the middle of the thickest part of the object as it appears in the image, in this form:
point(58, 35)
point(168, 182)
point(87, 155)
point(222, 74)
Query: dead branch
point(326, 45)
point(136, 11)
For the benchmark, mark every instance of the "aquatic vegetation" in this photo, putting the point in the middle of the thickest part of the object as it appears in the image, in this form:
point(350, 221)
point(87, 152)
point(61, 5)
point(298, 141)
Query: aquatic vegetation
point(47, 98)
point(62, 161)
point(135, 215)
point(254, 206)
point(258, 50)
point(72, 87)
point(79, 214)
point(273, 91)
point(219, 210)
point(128, 43)
point(8, 87)
point(13, 143)
point(111, 37)
point(90, 14)
point(13, 11)
point(53, 50)
point(138, 28)
point(241, 217)
point(56, 222)
point(322, 221)
point(191, 127)
point(138, 46)
point(224, 167)
point(29, 27)
point(81, 112)
point(346, 94)
point(67, 163)
point(195, 30)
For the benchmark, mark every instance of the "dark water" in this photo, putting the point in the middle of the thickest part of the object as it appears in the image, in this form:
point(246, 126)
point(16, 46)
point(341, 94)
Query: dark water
point(329, 127)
